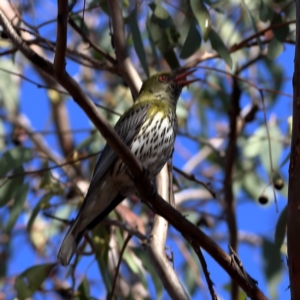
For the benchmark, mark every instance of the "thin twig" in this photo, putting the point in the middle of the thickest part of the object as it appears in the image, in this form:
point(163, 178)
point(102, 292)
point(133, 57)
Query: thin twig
point(193, 178)
point(129, 236)
point(205, 270)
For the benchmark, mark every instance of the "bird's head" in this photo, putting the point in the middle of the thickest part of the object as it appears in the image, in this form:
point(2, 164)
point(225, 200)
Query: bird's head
point(165, 86)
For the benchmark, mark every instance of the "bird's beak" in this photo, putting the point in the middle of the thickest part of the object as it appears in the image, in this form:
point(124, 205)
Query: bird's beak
point(181, 78)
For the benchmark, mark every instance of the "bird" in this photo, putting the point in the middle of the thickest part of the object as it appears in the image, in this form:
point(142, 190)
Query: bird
point(149, 129)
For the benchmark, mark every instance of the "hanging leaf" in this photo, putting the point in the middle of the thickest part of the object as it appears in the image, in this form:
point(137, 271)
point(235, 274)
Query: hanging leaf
point(281, 228)
point(81, 24)
point(137, 40)
point(14, 158)
point(275, 48)
point(253, 23)
point(265, 12)
point(83, 292)
point(17, 207)
point(191, 44)
point(162, 41)
point(9, 187)
point(282, 32)
point(275, 145)
point(162, 17)
point(148, 265)
point(30, 280)
point(9, 86)
point(101, 236)
point(200, 11)
point(42, 204)
point(218, 45)
point(272, 267)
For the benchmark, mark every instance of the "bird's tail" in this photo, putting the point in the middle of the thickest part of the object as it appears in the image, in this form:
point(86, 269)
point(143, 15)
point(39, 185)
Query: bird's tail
point(84, 220)
point(70, 242)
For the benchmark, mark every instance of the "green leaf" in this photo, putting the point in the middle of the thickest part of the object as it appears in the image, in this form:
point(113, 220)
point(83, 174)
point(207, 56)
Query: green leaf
point(218, 45)
point(43, 202)
point(258, 145)
point(203, 17)
point(17, 207)
point(149, 267)
point(162, 41)
point(81, 24)
point(9, 187)
point(275, 48)
point(276, 148)
point(31, 279)
point(265, 12)
point(14, 158)
point(282, 32)
point(9, 86)
point(191, 44)
point(83, 292)
point(253, 23)
point(272, 267)
point(101, 237)
point(161, 15)
point(281, 228)
point(137, 40)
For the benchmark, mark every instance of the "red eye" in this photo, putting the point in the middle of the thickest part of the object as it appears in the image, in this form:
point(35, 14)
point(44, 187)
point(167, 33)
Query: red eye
point(163, 78)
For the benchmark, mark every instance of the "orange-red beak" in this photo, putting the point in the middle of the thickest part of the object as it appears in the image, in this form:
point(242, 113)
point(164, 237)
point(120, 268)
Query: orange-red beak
point(181, 78)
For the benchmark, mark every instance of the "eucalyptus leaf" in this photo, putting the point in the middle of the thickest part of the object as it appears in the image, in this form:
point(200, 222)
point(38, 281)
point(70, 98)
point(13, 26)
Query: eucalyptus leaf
point(281, 227)
point(137, 40)
point(253, 23)
point(275, 48)
point(19, 201)
point(9, 86)
point(162, 41)
point(201, 12)
point(191, 44)
point(148, 265)
point(30, 280)
point(9, 187)
point(14, 158)
point(219, 46)
point(40, 205)
point(265, 12)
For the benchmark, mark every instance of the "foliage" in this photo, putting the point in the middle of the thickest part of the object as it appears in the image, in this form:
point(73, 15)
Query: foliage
point(233, 135)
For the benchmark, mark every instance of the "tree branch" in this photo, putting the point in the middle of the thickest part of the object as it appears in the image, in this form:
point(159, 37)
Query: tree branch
point(293, 222)
point(125, 66)
point(157, 241)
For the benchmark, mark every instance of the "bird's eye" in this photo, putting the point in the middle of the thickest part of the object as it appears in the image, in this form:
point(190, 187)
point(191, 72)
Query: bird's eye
point(163, 78)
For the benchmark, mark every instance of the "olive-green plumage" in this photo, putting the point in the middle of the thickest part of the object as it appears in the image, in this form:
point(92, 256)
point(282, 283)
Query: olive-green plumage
point(149, 129)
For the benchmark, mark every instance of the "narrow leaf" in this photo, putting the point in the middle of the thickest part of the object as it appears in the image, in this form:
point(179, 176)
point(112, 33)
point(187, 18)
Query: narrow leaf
point(265, 12)
point(9, 187)
point(14, 158)
point(275, 48)
point(281, 228)
point(31, 279)
point(253, 23)
point(161, 40)
point(148, 265)
point(41, 205)
point(203, 17)
point(191, 44)
point(218, 45)
point(17, 207)
point(137, 40)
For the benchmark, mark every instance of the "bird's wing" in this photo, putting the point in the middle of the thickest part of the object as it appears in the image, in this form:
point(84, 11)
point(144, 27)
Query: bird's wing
point(127, 127)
